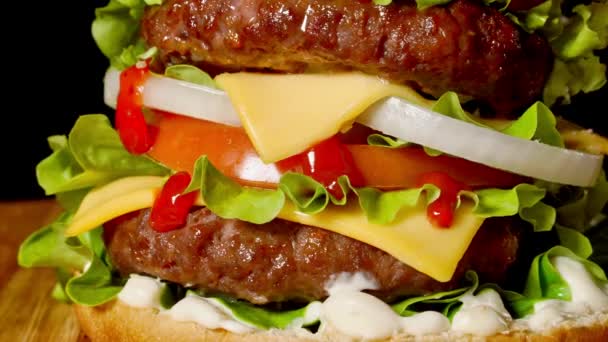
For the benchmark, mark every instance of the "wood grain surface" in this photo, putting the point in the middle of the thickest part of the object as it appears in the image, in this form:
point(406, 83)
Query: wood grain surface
point(27, 311)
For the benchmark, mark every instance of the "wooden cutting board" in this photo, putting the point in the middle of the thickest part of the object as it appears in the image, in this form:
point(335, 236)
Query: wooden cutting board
point(27, 311)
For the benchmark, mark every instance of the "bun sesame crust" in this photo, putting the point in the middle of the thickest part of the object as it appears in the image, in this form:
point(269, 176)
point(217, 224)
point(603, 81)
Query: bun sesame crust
point(116, 321)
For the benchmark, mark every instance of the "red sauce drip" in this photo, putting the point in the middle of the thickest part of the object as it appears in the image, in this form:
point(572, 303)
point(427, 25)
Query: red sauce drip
point(325, 162)
point(441, 211)
point(134, 132)
point(171, 207)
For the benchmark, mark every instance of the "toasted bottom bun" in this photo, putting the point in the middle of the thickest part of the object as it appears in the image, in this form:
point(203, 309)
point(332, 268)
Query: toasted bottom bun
point(116, 321)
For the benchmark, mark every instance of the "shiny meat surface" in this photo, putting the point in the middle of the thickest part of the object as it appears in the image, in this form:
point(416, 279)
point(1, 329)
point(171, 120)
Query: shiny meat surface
point(465, 46)
point(282, 260)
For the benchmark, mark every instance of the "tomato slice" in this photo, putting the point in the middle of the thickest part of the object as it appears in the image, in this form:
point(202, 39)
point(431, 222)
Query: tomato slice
point(182, 140)
point(387, 168)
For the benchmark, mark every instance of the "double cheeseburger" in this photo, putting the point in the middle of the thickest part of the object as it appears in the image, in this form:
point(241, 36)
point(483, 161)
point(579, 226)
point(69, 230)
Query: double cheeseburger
point(335, 170)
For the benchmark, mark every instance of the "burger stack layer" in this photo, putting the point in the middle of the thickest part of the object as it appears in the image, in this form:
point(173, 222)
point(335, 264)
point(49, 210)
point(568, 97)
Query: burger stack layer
point(371, 169)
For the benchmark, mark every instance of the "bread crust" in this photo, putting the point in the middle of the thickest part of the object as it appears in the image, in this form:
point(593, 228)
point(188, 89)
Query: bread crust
point(116, 321)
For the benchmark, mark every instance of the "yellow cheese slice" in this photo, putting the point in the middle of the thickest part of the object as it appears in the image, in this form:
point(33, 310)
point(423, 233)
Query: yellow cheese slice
point(114, 199)
point(410, 238)
point(285, 114)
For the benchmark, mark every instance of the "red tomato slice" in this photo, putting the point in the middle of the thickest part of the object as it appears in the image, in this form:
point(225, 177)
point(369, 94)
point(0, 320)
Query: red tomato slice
point(182, 140)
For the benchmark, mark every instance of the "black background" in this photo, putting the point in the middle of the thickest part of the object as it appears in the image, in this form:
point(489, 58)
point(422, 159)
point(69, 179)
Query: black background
point(53, 72)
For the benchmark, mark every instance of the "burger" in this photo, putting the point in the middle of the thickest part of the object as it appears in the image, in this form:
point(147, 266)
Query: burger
point(335, 170)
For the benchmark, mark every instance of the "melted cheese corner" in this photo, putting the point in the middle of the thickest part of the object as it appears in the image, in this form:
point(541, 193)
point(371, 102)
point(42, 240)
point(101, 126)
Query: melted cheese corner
point(285, 114)
point(410, 238)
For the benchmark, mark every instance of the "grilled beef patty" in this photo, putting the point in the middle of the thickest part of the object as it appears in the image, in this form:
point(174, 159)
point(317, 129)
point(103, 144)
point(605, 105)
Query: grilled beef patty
point(465, 46)
point(282, 260)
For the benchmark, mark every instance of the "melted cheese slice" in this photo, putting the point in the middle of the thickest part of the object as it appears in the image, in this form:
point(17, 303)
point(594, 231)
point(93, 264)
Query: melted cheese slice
point(410, 238)
point(286, 114)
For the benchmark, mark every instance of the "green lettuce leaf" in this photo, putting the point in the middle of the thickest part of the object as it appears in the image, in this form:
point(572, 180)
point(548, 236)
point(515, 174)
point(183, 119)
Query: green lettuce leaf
point(385, 141)
point(93, 287)
point(449, 105)
point(585, 32)
point(582, 211)
point(440, 301)
point(383, 2)
point(190, 73)
point(58, 292)
point(544, 17)
point(310, 196)
point(545, 282)
point(422, 4)
point(575, 241)
point(48, 247)
point(574, 40)
point(263, 318)
point(83, 272)
point(70, 200)
point(116, 30)
point(536, 123)
point(228, 199)
point(92, 155)
point(523, 199)
point(382, 207)
point(568, 78)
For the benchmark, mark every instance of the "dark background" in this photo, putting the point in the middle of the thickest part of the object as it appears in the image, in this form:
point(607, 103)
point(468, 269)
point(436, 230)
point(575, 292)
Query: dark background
point(53, 72)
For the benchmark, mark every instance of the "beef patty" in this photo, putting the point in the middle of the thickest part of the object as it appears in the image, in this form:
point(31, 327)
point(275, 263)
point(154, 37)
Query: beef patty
point(282, 260)
point(464, 46)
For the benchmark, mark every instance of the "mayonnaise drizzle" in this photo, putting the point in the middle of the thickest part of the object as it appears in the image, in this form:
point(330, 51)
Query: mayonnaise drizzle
point(483, 314)
point(585, 292)
point(362, 316)
point(197, 309)
point(142, 292)
point(587, 296)
point(359, 315)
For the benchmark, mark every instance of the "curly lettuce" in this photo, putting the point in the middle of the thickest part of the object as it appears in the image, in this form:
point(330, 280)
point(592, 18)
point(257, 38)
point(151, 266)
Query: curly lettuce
point(90, 156)
point(228, 199)
point(116, 31)
point(574, 39)
point(84, 271)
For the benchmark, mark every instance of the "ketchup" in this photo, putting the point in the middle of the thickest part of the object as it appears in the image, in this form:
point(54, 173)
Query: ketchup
point(171, 207)
point(325, 162)
point(134, 132)
point(441, 211)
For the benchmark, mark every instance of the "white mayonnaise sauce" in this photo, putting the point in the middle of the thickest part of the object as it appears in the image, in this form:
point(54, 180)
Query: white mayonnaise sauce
point(363, 316)
point(483, 314)
point(587, 296)
point(345, 281)
point(586, 293)
point(359, 315)
point(197, 309)
point(426, 322)
point(142, 292)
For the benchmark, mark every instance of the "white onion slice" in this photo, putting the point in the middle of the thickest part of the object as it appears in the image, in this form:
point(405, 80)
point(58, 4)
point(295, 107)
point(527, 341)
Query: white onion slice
point(399, 118)
point(530, 158)
point(179, 97)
